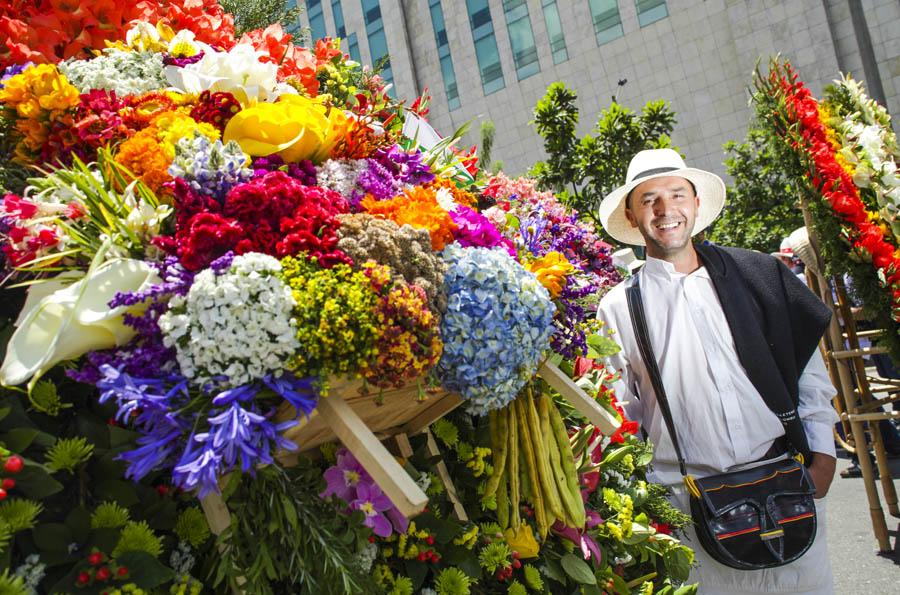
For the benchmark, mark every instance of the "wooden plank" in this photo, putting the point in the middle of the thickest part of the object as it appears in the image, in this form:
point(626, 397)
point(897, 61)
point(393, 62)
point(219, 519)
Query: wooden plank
point(350, 429)
point(436, 408)
point(602, 419)
point(444, 474)
point(218, 518)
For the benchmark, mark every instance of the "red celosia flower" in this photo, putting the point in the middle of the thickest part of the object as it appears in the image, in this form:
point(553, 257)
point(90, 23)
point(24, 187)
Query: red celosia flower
point(206, 237)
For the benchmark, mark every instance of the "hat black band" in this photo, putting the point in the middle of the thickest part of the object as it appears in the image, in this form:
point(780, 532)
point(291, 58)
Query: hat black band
point(654, 171)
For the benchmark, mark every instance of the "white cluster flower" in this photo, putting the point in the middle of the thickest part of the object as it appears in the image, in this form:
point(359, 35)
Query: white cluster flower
point(126, 73)
point(32, 572)
point(365, 558)
point(340, 175)
point(236, 324)
point(182, 560)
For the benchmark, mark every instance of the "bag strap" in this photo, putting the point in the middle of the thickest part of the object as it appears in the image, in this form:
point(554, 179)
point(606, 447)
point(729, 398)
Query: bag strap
point(639, 322)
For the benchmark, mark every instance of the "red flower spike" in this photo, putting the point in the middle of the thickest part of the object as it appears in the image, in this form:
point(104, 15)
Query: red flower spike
point(122, 572)
point(2, 494)
point(429, 540)
point(103, 574)
point(95, 559)
point(83, 579)
point(9, 483)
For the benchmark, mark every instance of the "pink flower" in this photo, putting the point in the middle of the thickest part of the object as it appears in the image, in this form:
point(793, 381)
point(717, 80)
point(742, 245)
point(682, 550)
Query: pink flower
point(372, 502)
point(344, 478)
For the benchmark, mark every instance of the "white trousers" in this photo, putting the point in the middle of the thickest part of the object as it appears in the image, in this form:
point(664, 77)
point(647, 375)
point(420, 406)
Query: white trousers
point(809, 575)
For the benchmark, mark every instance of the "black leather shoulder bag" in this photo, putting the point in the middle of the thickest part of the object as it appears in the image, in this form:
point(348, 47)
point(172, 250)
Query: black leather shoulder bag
point(752, 519)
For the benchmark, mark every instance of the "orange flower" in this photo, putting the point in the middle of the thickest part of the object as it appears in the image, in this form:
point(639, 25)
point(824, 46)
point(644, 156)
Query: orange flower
point(145, 157)
point(460, 196)
point(417, 207)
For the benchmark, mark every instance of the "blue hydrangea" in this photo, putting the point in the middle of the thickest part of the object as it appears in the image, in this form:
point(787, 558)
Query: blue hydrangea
point(210, 168)
point(499, 321)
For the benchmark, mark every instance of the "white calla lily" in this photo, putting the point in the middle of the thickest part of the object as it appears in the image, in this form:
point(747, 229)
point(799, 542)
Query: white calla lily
point(72, 320)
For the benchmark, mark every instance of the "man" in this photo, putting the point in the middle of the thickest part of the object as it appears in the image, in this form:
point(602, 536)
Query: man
point(723, 323)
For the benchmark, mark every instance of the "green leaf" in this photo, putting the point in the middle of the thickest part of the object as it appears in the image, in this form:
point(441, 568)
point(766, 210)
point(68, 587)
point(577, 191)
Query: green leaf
point(601, 346)
point(578, 569)
point(678, 562)
point(35, 482)
point(121, 437)
point(54, 537)
point(79, 523)
point(18, 439)
point(4, 411)
point(289, 511)
point(121, 491)
point(146, 571)
point(553, 570)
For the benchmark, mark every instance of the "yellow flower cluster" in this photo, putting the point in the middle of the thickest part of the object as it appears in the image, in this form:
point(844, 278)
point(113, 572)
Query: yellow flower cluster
point(477, 463)
point(551, 270)
point(406, 548)
point(40, 96)
point(336, 318)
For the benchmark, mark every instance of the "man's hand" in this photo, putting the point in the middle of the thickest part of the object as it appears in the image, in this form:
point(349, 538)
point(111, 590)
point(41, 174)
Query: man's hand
point(822, 472)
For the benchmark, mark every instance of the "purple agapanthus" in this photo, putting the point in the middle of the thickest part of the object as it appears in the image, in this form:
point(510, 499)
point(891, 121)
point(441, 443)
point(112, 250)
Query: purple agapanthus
point(11, 71)
point(474, 229)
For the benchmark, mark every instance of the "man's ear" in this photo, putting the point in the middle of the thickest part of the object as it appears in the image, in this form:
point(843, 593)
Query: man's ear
point(630, 216)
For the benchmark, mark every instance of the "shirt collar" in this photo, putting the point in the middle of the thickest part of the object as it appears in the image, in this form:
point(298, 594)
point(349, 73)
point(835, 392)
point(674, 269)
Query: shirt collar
point(661, 268)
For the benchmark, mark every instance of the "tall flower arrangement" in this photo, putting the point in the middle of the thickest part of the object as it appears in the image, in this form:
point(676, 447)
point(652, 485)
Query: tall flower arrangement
point(822, 147)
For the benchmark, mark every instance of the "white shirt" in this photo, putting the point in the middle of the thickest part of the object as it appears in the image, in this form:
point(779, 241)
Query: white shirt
point(720, 418)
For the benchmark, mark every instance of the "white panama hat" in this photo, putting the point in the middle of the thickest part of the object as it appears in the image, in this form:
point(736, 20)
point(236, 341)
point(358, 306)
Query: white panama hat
point(658, 163)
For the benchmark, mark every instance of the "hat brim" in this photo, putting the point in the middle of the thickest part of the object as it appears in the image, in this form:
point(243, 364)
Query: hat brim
point(710, 190)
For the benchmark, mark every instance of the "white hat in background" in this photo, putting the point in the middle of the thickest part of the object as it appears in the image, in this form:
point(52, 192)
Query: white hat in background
point(625, 258)
point(657, 163)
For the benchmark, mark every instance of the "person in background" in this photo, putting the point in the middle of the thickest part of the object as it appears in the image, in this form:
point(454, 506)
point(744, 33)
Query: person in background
point(717, 352)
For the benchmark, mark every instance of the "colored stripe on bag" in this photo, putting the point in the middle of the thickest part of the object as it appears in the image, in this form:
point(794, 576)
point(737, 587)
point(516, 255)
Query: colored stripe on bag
point(766, 478)
point(799, 517)
point(736, 533)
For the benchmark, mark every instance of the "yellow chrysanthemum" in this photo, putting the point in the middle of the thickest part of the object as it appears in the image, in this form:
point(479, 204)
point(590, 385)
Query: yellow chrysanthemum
point(551, 270)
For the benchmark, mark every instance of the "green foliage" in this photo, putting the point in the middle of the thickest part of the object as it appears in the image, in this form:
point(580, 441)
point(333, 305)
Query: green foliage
point(191, 527)
point(19, 514)
point(109, 515)
point(11, 584)
point(283, 537)
point(45, 399)
point(533, 578)
point(68, 453)
point(762, 208)
point(402, 586)
point(494, 556)
point(488, 133)
point(452, 581)
point(138, 537)
point(259, 14)
point(516, 588)
point(445, 431)
point(582, 171)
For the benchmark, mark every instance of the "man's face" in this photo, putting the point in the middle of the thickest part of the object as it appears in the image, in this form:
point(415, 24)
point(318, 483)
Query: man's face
point(664, 210)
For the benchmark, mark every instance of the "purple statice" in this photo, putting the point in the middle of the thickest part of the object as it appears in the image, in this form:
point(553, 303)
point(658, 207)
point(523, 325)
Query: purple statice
point(181, 61)
point(303, 171)
point(222, 263)
point(569, 340)
point(474, 229)
point(210, 168)
point(145, 355)
point(376, 180)
point(11, 71)
point(408, 168)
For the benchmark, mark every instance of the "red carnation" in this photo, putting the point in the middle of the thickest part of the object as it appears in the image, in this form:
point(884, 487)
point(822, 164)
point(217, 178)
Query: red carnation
point(207, 237)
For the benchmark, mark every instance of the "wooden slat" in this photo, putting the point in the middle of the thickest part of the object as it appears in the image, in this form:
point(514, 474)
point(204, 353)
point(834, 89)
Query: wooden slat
point(352, 431)
point(602, 419)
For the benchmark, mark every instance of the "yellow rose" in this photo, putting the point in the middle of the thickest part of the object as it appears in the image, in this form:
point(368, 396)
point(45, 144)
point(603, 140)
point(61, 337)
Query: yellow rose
point(551, 270)
point(294, 127)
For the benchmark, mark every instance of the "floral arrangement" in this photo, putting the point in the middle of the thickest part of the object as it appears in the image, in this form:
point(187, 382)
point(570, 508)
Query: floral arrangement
point(822, 141)
point(199, 236)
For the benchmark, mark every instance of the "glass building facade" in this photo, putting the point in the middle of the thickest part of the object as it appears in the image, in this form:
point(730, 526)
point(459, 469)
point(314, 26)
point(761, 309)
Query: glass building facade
point(555, 31)
point(486, 52)
point(607, 21)
point(378, 47)
point(316, 16)
point(443, 47)
point(521, 38)
point(650, 11)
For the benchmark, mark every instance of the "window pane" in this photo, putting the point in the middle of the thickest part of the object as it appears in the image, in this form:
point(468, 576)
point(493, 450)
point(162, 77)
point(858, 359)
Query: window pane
point(607, 22)
point(440, 39)
point(555, 32)
point(338, 12)
point(485, 46)
point(353, 48)
point(650, 11)
point(378, 48)
point(521, 38)
point(316, 20)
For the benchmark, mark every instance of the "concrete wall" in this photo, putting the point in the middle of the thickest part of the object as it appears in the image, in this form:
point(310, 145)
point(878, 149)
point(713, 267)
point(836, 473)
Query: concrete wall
point(700, 59)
